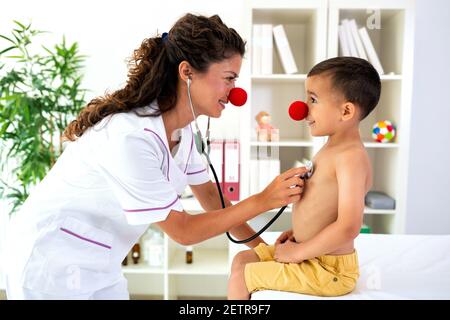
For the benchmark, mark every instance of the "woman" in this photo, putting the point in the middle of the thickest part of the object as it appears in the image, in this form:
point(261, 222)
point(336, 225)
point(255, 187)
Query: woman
point(130, 157)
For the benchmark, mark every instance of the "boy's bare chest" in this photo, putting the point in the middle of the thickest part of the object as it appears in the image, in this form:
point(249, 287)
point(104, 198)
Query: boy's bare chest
point(319, 204)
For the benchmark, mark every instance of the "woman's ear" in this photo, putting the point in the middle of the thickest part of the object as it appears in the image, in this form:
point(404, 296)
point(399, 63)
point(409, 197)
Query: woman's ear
point(185, 71)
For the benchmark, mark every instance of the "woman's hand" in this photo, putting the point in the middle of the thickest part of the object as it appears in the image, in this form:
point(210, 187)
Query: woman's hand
point(287, 235)
point(284, 189)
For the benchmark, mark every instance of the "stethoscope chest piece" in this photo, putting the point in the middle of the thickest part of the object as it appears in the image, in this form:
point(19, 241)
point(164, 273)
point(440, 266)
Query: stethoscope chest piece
point(309, 165)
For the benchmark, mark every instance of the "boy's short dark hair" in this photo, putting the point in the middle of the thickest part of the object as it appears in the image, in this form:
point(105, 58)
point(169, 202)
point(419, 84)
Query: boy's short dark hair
point(355, 78)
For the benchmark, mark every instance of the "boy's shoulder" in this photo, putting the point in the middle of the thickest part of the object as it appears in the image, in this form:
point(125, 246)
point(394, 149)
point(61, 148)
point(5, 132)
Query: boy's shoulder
point(347, 155)
point(353, 160)
point(353, 147)
point(352, 152)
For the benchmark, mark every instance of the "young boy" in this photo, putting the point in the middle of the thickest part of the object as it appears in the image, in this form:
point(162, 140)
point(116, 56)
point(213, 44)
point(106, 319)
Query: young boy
point(317, 256)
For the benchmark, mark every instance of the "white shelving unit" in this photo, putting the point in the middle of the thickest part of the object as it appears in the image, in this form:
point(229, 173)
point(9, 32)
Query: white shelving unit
point(393, 42)
point(178, 279)
point(305, 23)
point(311, 28)
point(274, 93)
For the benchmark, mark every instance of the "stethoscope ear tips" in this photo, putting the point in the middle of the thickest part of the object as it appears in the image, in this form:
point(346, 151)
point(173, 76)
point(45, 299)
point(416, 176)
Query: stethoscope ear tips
point(298, 110)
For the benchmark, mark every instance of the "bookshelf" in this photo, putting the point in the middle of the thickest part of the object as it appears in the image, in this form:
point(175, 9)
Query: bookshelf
point(176, 279)
point(305, 23)
point(393, 42)
point(312, 30)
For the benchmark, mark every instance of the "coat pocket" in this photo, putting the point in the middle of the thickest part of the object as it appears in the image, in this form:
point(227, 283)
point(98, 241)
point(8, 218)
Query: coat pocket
point(68, 258)
point(81, 244)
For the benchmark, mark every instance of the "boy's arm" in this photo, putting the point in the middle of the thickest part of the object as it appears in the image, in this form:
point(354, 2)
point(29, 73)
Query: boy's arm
point(351, 172)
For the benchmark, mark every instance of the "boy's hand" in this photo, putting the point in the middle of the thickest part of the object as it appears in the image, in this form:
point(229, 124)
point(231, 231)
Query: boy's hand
point(287, 235)
point(287, 252)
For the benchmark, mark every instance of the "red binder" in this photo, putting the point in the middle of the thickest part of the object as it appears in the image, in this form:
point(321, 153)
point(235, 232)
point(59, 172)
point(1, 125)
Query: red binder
point(231, 173)
point(216, 157)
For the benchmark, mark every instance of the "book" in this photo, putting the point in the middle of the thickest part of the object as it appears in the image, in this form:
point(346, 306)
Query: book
point(343, 42)
point(267, 49)
point(254, 174)
point(357, 39)
point(350, 40)
point(284, 50)
point(216, 156)
point(379, 200)
point(231, 170)
point(256, 49)
point(274, 168)
point(269, 169)
point(371, 53)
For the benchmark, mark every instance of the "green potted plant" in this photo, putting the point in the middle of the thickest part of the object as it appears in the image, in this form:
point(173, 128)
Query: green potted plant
point(40, 93)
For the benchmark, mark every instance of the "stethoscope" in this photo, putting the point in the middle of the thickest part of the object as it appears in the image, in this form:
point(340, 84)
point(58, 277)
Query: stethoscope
point(204, 149)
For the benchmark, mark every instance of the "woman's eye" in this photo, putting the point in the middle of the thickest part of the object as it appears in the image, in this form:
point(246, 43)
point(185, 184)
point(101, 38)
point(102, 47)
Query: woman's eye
point(313, 100)
point(231, 78)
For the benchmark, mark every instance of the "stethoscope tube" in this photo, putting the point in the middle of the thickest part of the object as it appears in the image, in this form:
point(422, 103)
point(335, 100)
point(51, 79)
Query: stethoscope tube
point(201, 148)
point(223, 206)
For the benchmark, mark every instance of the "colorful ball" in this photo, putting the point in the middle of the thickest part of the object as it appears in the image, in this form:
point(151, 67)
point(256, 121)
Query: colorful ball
point(383, 131)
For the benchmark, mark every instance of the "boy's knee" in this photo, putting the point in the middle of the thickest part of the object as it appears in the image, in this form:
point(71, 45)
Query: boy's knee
point(244, 257)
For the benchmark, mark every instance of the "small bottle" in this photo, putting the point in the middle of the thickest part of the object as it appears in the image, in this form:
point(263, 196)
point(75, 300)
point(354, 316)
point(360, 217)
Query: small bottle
point(145, 241)
point(136, 253)
point(156, 252)
point(153, 248)
point(125, 261)
point(189, 254)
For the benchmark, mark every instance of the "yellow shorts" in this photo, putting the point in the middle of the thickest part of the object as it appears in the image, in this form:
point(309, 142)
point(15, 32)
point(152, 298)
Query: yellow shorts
point(322, 276)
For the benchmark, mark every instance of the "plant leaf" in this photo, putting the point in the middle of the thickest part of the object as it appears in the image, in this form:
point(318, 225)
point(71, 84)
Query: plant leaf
point(21, 25)
point(7, 49)
point(6, 38)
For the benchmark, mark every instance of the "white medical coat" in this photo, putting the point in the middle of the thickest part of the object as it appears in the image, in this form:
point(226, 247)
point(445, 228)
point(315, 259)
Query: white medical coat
point(79, 223)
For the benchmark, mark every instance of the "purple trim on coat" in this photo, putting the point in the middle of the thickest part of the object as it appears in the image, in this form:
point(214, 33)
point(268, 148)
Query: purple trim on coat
point(165, 148)
point(195, 172)
point(151, 209)
point(85, 239)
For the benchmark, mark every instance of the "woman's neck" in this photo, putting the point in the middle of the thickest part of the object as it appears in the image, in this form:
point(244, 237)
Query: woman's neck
point(177, 118)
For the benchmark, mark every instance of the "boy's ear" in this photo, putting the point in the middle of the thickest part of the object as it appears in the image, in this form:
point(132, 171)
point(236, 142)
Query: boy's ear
point(348, 111)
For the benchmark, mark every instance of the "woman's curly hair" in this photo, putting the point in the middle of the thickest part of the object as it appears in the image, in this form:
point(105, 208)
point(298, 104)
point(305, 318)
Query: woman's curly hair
point(153, 69)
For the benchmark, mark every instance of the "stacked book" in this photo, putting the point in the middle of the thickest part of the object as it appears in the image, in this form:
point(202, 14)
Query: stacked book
point(262, 172)
point(355, 42)
point(262, 49)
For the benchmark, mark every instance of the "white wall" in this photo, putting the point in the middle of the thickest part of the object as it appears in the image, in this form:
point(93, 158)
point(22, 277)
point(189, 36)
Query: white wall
point(429, 167)
point(109, 30)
